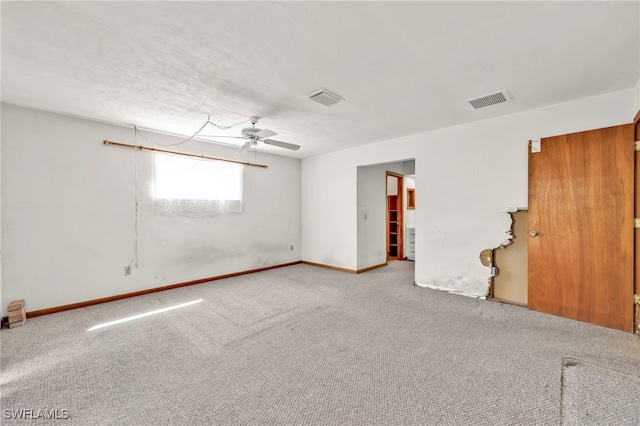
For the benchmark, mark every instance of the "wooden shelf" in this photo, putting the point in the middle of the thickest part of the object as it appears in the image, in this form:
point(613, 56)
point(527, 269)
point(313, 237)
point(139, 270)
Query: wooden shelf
point(394, 221)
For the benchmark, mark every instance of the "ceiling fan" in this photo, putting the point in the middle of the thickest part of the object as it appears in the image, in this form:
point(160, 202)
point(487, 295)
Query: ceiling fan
point(253, 135)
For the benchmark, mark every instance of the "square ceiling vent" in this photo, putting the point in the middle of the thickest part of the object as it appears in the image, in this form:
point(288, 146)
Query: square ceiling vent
point(325, 97)
point(491, 99)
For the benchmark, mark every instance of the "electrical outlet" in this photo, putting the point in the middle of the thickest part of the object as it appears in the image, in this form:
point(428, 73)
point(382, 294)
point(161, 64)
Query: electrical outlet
point(127, 270)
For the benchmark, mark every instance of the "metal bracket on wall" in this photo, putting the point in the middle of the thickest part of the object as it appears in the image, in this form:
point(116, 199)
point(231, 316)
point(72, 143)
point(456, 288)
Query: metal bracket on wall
point(636, 301)
point(636, 223)
point(637, 146)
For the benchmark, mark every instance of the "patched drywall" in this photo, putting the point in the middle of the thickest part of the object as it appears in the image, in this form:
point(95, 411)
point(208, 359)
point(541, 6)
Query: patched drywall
point(510, 283)
point(68, 209)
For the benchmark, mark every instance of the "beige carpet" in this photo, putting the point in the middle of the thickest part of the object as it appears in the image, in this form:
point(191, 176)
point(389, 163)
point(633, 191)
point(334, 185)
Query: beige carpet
point(301, 346)
point(593, 396)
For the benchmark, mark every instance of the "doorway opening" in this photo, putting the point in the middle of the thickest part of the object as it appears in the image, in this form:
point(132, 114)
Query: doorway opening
point(395, 222)
point(373, 212)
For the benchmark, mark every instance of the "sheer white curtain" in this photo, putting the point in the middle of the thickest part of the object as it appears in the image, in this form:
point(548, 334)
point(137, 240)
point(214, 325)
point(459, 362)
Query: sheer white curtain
point(196, 186)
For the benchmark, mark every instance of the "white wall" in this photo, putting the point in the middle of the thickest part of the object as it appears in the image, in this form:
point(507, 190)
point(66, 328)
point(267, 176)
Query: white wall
point(638, 96)
point(372, 212)
point(468, 176)
point(68, 214)
point(409, 182)
point(2, 303)
point(392, 185)
point(410, 167)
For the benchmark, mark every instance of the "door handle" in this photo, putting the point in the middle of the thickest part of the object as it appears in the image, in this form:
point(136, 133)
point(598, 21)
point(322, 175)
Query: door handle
point(533, 233)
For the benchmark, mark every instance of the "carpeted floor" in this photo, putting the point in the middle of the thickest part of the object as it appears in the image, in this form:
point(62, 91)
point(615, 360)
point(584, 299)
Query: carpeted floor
point(593, 396)
point(302, 346)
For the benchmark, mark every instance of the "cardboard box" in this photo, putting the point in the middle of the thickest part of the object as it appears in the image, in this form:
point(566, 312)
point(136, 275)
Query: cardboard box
point(16, 305)
point(17, 315)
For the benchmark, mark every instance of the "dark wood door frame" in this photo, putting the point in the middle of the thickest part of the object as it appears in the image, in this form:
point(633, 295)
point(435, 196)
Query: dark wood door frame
point(399, 216)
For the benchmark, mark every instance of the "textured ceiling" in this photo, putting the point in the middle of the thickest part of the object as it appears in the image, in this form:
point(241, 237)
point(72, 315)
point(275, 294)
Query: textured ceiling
point(403, 67)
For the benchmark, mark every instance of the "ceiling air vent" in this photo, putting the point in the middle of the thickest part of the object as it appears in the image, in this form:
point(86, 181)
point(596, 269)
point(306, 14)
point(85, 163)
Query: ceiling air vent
point(492, 99)
point(325, 97)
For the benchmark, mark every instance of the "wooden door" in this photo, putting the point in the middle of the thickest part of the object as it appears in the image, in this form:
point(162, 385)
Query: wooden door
point(581, 196)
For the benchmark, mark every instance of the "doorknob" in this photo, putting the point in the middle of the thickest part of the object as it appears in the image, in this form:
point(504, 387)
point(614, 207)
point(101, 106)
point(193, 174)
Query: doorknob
point(533, 233)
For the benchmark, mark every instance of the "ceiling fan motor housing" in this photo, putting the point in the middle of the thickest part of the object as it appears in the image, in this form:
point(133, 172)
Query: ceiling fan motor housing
point(250, 132)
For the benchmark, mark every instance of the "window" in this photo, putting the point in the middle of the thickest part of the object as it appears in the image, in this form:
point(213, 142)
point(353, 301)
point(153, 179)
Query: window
point(192, 185)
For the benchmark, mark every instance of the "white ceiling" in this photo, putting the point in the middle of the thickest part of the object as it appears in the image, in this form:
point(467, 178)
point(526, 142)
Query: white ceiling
point(403, 68)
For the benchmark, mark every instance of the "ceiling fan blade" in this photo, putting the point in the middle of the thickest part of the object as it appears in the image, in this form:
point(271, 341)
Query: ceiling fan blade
point(264, 133)
point(282, 144)
point(219, 136)
point(244, 148)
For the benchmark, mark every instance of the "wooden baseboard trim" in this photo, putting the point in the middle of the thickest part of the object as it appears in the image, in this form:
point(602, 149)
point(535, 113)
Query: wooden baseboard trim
point(370, 268)
point(508, 302)
point(349, 271)
point(335, 268)
point(62, 308)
